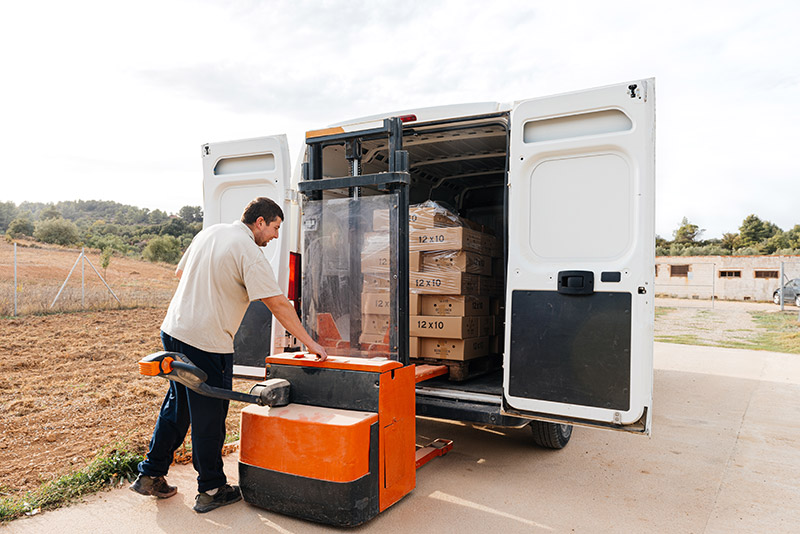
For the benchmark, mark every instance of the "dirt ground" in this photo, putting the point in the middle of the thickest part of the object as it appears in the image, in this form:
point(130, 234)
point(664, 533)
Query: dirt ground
point(69, 388)
point(723, 324)
point(69, 382)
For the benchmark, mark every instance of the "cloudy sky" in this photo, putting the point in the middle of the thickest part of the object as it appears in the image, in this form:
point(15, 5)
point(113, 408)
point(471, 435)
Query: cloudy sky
point(112, 100)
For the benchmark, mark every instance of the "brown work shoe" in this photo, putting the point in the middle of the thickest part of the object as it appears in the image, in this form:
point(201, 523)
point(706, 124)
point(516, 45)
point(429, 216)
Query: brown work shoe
point(155, 486)
point(227, 494)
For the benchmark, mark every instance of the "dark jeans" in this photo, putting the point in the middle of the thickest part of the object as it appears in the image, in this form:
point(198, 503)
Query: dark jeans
point(183, 407)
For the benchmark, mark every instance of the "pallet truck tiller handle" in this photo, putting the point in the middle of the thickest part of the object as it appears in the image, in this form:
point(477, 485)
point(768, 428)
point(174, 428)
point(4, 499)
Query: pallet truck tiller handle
point(178, 368)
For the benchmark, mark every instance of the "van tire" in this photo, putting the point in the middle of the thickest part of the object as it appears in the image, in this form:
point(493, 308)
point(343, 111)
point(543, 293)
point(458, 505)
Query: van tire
point(550, 435)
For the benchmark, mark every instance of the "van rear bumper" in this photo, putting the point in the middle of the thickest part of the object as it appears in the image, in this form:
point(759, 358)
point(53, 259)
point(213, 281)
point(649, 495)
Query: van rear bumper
point(442, 405)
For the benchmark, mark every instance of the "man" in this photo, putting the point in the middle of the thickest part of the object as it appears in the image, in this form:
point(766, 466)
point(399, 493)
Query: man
point(222, 271)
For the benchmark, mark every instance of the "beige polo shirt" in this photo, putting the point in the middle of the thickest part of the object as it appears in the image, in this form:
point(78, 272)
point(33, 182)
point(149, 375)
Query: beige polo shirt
point(223, 271)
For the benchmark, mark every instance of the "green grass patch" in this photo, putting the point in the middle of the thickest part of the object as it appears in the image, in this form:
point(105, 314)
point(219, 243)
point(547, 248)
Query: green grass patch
point(663, 310)
point(782, 331)
point(108, 469)
point(681, 339)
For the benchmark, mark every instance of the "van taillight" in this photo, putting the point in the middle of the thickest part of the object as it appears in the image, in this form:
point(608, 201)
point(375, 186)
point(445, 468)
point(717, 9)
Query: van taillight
point(295, 277)
point(408, 118)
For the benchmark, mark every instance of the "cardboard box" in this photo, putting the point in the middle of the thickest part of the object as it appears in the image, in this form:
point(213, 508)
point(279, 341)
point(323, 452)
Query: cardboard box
point(373, 339)
point(373, 323)
point(490, 286)
point(378, 261)
point(375, 263)
point(491, 245)
point(444, 327)
point(376, 303)
point(376, 282)
point(415, 261)
point(487, 325)
point(444, 283)
point(413, 347)
point(419, 218)
point(456, 260)
point(458, 238)
point(463, 305)
point(453, 349)
point(414, 304)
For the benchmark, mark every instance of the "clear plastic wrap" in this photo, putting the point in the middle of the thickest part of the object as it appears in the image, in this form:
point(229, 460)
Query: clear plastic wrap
point(452, 273)
point(455, 260)
point(348, 279)
point(347, 302)
point(429, 214)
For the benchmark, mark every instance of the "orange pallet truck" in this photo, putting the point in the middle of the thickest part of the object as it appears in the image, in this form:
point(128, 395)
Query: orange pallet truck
point(331, 442)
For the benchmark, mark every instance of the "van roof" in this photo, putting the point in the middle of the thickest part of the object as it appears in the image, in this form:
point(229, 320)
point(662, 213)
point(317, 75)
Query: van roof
point(433, 113)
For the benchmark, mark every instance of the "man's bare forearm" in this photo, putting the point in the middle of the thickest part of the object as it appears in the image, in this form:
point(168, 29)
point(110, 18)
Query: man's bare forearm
point(284, 312)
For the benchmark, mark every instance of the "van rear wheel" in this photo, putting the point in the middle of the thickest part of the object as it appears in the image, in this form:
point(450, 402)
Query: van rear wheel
point(550, 435)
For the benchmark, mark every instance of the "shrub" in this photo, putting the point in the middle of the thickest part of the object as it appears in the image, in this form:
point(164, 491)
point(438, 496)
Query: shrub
point(56, 231)
point(164, 248)
point(19, 227)
point(105, 259)
point(107, 241)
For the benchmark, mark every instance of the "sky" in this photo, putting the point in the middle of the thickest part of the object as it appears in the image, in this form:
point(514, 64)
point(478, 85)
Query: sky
point(112, 101)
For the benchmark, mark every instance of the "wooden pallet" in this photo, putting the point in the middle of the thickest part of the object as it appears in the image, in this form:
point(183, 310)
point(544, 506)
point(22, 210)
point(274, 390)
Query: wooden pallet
point(464, 370)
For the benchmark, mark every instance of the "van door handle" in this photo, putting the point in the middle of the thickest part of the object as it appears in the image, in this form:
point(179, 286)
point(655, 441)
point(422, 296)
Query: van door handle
point(576, 282)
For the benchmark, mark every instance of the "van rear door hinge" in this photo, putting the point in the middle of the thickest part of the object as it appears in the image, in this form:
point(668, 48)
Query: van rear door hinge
point(291, 195)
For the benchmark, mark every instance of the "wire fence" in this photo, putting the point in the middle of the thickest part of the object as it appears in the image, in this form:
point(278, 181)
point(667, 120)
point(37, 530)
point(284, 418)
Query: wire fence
point(35, 280)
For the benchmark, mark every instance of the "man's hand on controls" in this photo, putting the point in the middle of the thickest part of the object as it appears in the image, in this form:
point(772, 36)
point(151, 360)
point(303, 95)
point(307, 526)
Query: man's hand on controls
point(319, 350)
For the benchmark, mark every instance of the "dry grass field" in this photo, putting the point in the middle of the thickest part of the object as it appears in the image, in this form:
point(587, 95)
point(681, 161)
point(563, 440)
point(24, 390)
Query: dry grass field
point(42, 269)
point(69, 382)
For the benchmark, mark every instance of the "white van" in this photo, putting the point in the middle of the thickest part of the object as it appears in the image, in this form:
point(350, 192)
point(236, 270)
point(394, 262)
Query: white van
point(565, 182)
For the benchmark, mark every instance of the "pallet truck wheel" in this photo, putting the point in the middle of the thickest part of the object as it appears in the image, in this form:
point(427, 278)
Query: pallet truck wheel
point(550, 435)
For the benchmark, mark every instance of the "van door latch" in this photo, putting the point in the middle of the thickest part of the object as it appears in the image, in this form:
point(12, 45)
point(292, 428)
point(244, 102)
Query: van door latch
point(576, 282)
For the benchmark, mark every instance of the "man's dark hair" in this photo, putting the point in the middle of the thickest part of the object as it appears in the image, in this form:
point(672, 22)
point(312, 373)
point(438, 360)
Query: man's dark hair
point(261, 207)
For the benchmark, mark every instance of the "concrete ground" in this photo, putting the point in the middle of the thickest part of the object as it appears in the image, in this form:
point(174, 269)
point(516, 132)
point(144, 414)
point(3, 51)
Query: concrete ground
point(724, 457)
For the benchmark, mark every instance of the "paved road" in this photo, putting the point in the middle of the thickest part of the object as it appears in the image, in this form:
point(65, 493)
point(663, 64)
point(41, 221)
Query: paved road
point(724, 457)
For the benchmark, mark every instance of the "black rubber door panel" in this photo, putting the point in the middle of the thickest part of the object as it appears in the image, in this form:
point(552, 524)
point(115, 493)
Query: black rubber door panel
point(571, 349)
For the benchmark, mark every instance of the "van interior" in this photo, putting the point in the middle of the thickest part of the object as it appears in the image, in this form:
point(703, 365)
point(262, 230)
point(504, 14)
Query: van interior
point(462, 165)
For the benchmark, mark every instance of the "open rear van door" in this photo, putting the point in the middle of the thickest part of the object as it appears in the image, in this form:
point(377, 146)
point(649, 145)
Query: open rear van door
point(581, 256)
point(234, 173)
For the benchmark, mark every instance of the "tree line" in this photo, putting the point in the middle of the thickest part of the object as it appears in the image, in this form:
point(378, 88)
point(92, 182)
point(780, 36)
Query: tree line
point(112, 227)
point(105, 225)
point(755, 237)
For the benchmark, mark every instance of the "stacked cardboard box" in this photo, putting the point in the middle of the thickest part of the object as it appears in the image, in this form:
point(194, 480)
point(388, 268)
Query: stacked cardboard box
point(376, 299)
point(451, 284)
